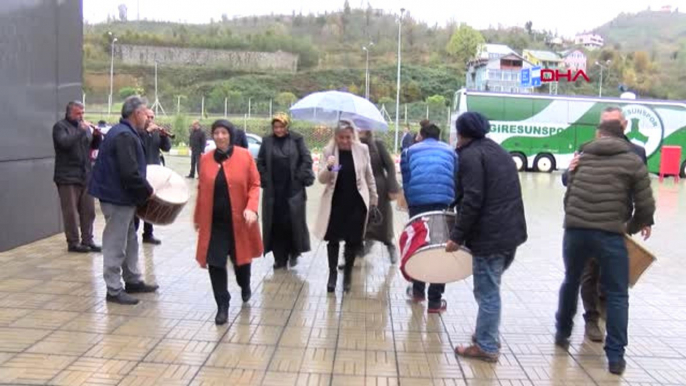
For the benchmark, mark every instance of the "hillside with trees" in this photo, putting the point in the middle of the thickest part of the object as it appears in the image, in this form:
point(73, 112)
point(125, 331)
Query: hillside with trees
point(647, 53)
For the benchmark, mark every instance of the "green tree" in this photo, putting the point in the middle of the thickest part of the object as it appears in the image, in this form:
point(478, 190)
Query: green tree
point(126, 92)
point(436, 102)
point(641, 61)
point(285, 99)
point(464, 43)
point(412, 92)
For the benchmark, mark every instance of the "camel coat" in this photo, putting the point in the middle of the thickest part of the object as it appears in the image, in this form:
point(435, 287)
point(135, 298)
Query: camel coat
point(244, 190)
point(365, 184)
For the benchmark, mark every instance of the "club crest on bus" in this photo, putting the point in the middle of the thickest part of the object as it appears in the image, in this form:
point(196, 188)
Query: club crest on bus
point(643, 127)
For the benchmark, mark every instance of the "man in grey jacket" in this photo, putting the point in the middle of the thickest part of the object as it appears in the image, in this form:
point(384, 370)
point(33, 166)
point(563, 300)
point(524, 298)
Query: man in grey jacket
point(609, 195)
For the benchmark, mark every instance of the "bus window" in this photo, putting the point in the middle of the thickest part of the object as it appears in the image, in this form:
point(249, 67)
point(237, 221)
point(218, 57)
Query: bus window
point(556, 110)
point(456, 101)
point(518, 109)
point(490, 106)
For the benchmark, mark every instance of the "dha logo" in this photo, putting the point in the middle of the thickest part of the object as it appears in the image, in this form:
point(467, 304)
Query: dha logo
point(643, 127)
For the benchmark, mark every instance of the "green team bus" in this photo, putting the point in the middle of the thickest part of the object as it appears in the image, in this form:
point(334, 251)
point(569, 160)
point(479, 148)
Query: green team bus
point(542, 132)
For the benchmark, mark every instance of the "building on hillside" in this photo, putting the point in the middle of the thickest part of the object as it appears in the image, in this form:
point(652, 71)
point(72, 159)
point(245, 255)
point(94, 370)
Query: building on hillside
point(493, 51)
point(498, 74)
point(545, 59)
point(589, 41)
point(574, 59)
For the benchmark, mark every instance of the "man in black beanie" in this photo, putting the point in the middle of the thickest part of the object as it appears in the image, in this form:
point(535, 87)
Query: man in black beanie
point(490, 223)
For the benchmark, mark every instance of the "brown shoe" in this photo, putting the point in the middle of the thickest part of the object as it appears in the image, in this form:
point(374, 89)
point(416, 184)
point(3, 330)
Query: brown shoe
point(474, 341)
point(475, 352)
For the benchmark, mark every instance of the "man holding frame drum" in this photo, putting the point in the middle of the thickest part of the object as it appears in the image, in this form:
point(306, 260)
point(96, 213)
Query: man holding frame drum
point(608, 195)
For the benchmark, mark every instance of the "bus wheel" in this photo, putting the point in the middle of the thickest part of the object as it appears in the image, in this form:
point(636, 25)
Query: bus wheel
point(682, 172)
point(519, 160)
point(544, 163)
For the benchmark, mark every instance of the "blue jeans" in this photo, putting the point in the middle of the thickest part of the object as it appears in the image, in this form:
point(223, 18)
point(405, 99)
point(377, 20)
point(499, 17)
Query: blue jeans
point(610, 250)
point(418, 287)
point(487, 271)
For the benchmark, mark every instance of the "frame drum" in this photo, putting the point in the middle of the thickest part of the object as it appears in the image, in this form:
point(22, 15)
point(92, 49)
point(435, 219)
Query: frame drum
point(171, 195)
point(639, 260)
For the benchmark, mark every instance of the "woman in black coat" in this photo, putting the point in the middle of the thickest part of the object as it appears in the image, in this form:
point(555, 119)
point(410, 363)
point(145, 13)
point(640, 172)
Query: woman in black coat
point(285, 167)
point(387, 188)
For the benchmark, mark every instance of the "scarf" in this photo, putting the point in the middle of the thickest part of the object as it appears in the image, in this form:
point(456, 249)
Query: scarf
point(221, 156)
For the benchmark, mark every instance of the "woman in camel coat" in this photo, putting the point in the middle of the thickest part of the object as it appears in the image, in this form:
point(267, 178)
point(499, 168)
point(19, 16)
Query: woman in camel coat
point(226, 215)
point(349, 195)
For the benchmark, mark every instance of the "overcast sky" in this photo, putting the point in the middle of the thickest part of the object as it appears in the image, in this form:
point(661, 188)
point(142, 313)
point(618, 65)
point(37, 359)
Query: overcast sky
point(565, 17)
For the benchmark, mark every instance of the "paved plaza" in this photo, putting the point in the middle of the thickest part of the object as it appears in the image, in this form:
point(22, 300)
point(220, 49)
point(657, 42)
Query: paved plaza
point(57, 329)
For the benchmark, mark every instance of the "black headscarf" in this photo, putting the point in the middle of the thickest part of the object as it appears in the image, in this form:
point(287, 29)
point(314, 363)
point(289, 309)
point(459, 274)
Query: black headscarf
point(220, 155)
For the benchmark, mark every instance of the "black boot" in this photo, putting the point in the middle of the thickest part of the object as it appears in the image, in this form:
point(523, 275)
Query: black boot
point(243, 280)
point(222, 314)
point(332, 249)
point(218, 277)
point(349, 254)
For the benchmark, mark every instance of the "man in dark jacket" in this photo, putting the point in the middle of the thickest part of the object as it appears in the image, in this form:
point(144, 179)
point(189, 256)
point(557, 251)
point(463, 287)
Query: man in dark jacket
point(197, 142)
point(408, 139)
point(154, 142)
point(119, 183)
point(590, 280)
point(428, 170)
point(609, 194)
point(73, 143)
point(490, 223)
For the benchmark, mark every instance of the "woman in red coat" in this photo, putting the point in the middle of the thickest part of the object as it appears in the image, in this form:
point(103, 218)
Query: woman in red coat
point(226, 215)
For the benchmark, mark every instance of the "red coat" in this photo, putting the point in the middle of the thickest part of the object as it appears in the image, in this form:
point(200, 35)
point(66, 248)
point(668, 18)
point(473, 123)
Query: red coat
point(244, 189)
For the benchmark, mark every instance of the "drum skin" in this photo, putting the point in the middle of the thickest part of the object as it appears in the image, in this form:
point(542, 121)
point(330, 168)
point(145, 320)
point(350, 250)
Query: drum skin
point(171, 195)
point(422, 248)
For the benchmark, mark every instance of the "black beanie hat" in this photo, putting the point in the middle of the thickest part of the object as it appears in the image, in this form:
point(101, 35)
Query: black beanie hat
point(472, 125)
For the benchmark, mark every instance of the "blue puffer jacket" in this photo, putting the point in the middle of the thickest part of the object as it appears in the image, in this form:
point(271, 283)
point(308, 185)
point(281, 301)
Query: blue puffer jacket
point(429, 169)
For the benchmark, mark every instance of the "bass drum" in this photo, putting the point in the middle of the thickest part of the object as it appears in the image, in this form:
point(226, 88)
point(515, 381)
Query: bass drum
point(422, 249)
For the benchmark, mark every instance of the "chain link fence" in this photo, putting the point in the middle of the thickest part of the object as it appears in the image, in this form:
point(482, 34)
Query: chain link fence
point(254, 116)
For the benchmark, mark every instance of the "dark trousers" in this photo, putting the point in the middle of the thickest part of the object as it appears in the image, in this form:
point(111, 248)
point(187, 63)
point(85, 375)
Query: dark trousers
point(195, 162)
point(78, 211)
point(590, 290)
point(282, 242)
point(349, 252)
point(613, 257)
point(418, 287)
point(220, 283)
point(147, 228)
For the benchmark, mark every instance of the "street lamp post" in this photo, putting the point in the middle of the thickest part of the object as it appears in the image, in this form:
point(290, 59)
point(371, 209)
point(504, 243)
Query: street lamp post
point(366, 71)
point(600, 85)
point(109, 102)
point(397, 96)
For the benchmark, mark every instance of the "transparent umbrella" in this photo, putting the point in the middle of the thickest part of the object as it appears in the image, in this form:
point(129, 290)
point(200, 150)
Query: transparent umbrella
point(329, 107)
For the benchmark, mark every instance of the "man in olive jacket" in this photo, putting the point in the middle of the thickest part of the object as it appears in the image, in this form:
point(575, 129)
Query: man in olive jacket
point(608, 195)
point(591, 296)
